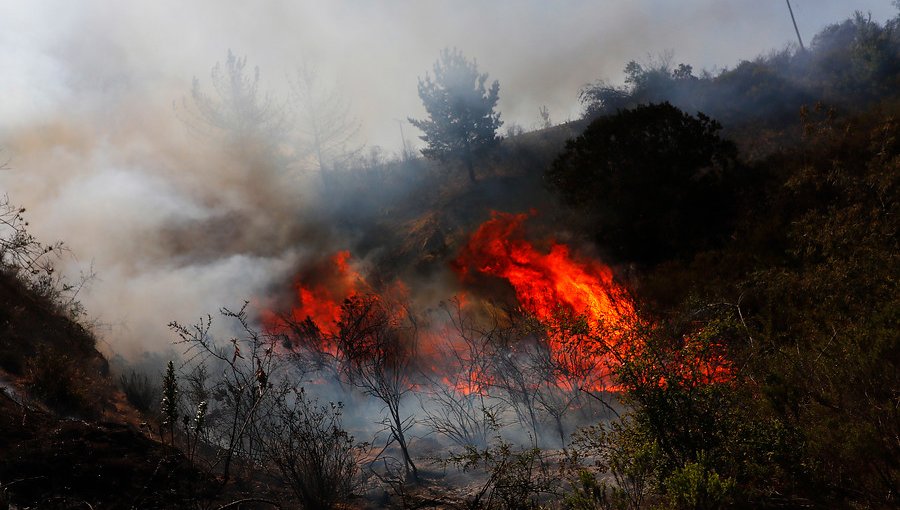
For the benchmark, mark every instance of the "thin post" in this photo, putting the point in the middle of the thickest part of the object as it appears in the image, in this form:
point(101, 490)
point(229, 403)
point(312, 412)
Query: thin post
point(794, 20)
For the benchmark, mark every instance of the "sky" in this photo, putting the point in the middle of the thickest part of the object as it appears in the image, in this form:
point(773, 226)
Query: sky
point(60, 55)
point(95, 149)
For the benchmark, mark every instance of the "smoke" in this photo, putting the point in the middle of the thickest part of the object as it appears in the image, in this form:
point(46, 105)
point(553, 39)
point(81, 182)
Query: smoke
point(178, 224)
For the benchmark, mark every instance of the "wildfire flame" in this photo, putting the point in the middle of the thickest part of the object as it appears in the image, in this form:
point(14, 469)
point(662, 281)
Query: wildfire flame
point(546, 284)
point(320, 301)
point(551, 284)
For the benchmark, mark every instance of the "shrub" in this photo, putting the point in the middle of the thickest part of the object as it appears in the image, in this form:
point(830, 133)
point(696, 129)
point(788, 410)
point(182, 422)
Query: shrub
point(694, 486)
point(311, 450)
point(55, 379)
point(140, 391)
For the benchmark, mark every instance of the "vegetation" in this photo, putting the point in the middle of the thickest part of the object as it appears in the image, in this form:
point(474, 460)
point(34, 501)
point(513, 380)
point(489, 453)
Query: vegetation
point(761, 367)
point(461, 120)
point(654, 183)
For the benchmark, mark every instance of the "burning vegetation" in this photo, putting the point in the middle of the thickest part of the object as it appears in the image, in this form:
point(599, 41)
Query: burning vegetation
point(644, 308)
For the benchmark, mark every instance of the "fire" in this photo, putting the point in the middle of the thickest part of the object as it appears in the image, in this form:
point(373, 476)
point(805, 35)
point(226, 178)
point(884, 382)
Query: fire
point(589, 319)
point(554, 283)
point(544, 282)
point(320, 295)
point(548, 283)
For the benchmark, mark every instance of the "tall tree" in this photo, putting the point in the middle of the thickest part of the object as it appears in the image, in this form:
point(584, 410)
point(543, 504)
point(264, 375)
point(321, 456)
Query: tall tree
point(462, 120)
point(247, 121)
point(650, 183)
point(326, 128)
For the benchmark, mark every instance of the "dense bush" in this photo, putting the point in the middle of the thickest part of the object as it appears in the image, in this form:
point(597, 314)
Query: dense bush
point(652, 183)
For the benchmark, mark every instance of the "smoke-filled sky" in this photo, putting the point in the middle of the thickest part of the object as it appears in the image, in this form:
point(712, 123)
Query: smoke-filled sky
point(98, 154)
point(57, 56)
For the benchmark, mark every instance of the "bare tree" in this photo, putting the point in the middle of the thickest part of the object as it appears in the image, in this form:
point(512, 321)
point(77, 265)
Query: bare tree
point(376, 346)
point(457, 405)
point(246, 120)
point(244, 389)
point(326, 126)
point(546, 123)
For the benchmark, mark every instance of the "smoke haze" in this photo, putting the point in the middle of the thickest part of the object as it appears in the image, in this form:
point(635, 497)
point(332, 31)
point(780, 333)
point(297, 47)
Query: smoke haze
point(177, 225)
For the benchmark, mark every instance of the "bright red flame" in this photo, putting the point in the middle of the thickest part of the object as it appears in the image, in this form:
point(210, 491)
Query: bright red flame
point(547, 283)
point(544, 282)
point(551, 284)
point(319, 298)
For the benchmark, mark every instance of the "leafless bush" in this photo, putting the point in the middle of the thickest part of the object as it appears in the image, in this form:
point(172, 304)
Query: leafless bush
point(376, 347)
point(313, 453)
point(244, 390)
point(19, 250)
point(456, 405)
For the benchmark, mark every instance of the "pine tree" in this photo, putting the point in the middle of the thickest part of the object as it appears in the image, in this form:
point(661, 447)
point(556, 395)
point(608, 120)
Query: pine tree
point(169, 405)
point(462, 118)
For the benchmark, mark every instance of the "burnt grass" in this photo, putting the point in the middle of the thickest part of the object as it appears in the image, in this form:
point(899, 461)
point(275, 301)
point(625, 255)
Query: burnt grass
point(66, 441)
point(52, 462)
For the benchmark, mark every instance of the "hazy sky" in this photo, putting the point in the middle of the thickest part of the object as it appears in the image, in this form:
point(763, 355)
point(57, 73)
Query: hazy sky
point(174, 227)
point(57, 56)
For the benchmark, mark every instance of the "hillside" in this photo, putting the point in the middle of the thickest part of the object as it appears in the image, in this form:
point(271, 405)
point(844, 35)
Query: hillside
point(687, 299)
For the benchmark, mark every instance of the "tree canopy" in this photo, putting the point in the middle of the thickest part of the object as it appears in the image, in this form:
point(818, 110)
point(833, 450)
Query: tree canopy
point(649, 181)
point(462, 120)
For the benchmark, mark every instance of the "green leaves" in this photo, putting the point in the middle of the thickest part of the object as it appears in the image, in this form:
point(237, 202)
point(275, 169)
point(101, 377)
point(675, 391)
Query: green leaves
point(461, 118)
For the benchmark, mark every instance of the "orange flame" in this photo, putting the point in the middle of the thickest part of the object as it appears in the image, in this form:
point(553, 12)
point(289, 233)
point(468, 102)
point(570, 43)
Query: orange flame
point(544, 283)
point(547, 283)
point(321, 300)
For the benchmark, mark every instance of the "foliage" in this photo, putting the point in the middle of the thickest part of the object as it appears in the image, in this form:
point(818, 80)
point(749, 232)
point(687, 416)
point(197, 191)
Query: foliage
point(854, 64)
point(311, 450)
point(825, 316)
point(170, 400)
point(806, 311)
point(625, 456)
point(516, 478)
point(140, 391)
point(695, 487)
point(652, 182)
point(55, 377)
point(462, 121)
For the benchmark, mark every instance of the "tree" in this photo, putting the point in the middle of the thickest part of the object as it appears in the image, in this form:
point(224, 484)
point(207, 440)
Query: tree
point(248, 122)
point(652, 182)
point(170, 402)
point(326, 126)
point(462, 119)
